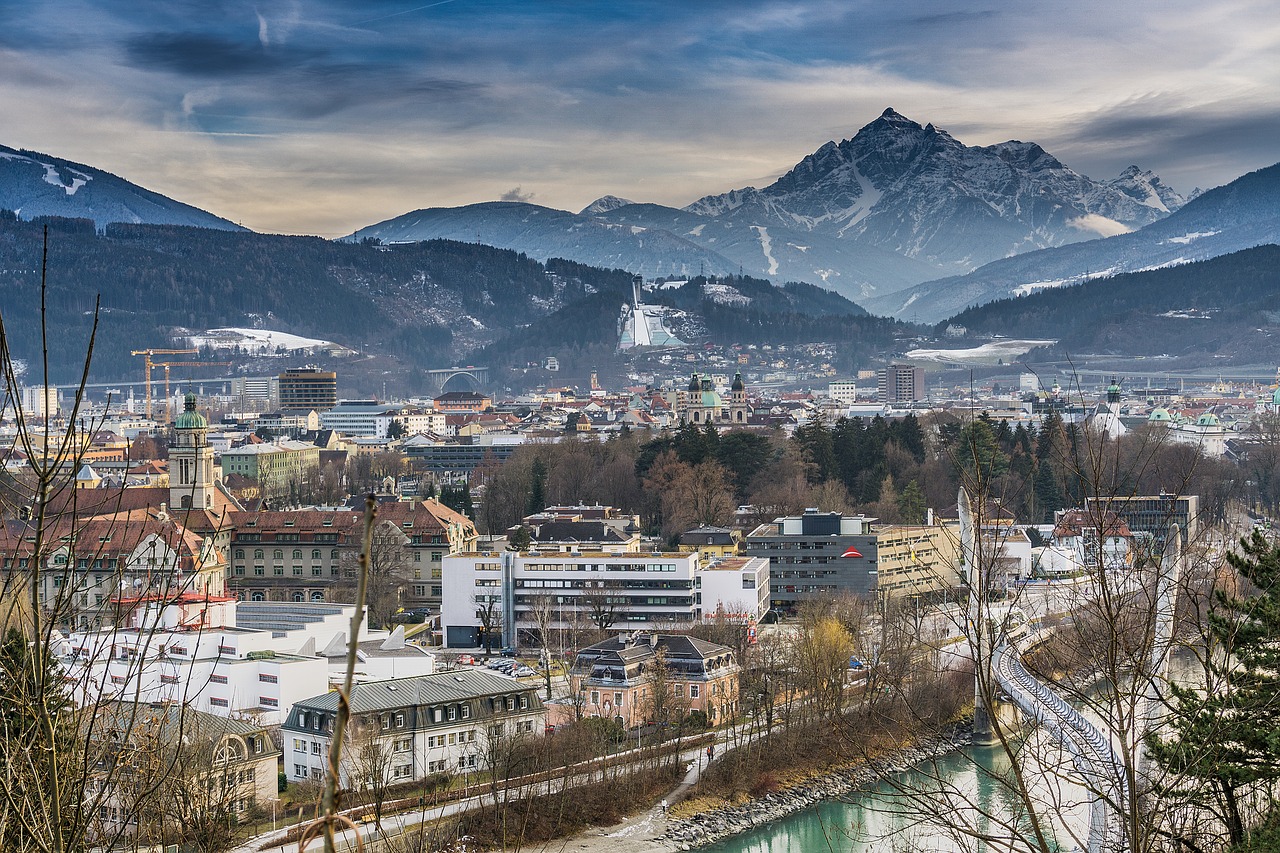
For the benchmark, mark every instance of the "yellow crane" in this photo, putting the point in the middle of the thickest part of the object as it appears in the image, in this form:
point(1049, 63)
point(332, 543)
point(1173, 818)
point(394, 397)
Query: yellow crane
point(148, 364)
point(168, 418)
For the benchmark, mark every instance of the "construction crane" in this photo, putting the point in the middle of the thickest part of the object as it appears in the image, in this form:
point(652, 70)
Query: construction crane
point(148, 364)
point(168, 364)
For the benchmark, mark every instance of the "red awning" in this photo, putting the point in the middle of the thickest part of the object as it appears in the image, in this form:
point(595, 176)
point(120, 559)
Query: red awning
point(851, 552)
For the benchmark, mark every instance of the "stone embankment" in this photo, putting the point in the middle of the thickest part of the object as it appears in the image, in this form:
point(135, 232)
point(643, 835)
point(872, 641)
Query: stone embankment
point(707, 827)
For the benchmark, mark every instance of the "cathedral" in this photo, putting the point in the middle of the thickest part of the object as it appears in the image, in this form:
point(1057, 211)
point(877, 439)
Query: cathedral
point(699, 403)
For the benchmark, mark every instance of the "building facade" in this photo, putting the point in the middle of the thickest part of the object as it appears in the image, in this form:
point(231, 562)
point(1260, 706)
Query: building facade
point(299, 555)
point(447, 722)
point(616, 678)
point(308, 388)
point(900, 383)
point(816, 555)
point(699, 403)
point(493, 592)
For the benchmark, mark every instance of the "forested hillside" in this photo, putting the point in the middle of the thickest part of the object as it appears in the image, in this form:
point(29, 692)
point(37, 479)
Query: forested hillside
point(1227, 306)
point(428, 304)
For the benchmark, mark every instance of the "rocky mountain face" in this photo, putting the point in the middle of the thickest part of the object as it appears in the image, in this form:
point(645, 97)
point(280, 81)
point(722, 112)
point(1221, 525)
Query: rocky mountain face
point(33, 185)
point(1239, 215)
point(916, 191)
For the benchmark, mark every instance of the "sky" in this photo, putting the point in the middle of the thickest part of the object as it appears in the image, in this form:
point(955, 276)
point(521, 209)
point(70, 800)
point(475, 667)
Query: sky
point(321, 117)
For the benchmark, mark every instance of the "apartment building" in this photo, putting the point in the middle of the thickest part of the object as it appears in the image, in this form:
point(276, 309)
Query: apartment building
point(447, 722)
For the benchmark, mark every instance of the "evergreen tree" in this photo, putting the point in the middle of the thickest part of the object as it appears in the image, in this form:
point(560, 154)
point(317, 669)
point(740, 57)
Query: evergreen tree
point(911, 504)
point(1225, 734)
point(537, 488)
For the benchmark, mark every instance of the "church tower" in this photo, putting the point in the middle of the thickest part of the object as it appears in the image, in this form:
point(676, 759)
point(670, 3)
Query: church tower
point(738, 410)
point(190, 460)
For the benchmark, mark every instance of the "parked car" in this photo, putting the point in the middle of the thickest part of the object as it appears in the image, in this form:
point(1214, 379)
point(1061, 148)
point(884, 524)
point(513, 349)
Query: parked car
point(522, 672)
point(508, 652)
point(466, 660)
point(500, 663)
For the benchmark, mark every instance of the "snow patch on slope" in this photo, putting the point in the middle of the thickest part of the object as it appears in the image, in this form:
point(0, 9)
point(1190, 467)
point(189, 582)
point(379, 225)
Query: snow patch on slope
point(766, 246)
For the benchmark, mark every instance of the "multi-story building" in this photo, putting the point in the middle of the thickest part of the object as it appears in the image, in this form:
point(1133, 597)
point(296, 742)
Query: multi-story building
point(900, 383)
point(274, 465)
point(357, 417)
point(299, 555)
point(447, 722)
point(494, 591)
point(816, 555)
point(462, 402)
point(615, 678)
point(308, 388)
point(916, 560)
point(1086, 541)
point(87, 564)
point(258, 392)
point(735, 588)
point(146, 754)
point(188, 650)
point(1149, 516)
point(845, 392)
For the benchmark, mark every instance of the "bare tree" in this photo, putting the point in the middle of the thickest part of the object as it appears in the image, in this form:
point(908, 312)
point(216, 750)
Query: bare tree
point(368, 759)
point(490, 618)
point(389, 570)
point(542, 613)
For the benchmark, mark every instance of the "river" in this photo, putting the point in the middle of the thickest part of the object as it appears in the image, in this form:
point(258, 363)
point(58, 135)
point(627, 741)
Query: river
point(882, 819)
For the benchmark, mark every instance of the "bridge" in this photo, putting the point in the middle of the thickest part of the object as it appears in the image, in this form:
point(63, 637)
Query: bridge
point(1092, 749)
point(440, 378)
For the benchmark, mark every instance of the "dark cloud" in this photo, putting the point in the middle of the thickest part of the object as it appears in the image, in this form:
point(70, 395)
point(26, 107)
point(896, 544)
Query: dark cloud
point(204, 55)
point(953, 18)
point(1210, 145)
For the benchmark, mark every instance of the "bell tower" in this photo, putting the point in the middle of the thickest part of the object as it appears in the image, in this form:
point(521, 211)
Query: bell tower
point(190, 460)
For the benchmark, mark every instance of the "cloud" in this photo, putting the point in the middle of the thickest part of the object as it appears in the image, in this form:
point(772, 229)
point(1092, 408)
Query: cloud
point(514, 194)
point(205, 55)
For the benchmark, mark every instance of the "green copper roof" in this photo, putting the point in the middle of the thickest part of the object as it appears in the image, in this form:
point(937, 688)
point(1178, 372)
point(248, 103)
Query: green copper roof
point(190, 418)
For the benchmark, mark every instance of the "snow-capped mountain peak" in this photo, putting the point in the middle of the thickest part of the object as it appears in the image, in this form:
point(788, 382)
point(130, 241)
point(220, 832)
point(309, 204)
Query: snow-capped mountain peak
point(916, 190)
point(604, 204)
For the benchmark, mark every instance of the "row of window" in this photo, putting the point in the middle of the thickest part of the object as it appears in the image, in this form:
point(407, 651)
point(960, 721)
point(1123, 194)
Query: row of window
point(595, 567)
point(316, 571)
point(278, 554)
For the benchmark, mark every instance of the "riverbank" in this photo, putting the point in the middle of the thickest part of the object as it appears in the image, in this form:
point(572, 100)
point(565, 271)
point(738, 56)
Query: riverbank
point(710, 826)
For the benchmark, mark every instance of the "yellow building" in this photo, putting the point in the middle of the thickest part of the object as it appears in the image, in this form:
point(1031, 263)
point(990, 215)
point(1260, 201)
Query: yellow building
point(711, 541)
point(916, 560)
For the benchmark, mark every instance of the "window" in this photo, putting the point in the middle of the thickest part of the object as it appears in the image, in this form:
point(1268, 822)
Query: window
point(466, 711)
point(226, 650)
point(299, 745)
point(399, 721)
point(268, 679)
point(257, 553)
point(403, 745)
point(268, 702)
point(693, 691)
point(617, 701)
point(315, 553)
point(297, 553)
point(317, 747)
point(168, 679)
point(451, 712)
point(403, 771)
point(277, 554)
point(239, 553)
point(595, 697)
point(217, 702)
point(300, 770)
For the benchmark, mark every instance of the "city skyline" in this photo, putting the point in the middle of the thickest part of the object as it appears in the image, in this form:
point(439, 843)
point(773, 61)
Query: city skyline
point(322, 117)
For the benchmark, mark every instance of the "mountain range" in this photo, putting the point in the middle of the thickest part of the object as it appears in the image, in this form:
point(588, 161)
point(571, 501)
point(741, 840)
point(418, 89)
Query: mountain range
point(34, 185)
point(902, 218)
point(895, 205)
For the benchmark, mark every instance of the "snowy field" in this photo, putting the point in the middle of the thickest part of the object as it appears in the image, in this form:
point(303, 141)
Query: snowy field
point(989, 353)
point(261, 341)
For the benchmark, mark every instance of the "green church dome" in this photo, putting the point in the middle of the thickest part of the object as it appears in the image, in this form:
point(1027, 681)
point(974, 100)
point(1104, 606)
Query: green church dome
point(1159, 416)
point(190, 418)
